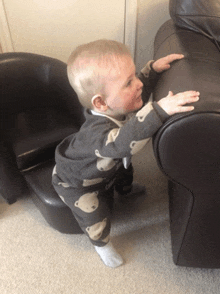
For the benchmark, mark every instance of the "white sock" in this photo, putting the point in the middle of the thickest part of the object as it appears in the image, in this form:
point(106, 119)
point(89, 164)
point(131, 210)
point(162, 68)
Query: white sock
point(109, 255)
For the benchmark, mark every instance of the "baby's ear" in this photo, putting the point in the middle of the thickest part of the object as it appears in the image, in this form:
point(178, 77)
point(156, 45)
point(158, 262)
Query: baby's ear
point(99, 103)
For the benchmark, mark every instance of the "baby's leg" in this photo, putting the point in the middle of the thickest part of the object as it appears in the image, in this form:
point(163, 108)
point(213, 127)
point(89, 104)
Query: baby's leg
point(124, 180)
point(124, 185)
point(102, 244)
point(92, 210)
point(109, 255)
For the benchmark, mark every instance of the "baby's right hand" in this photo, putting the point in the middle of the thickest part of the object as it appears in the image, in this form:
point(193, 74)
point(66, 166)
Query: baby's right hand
point(176, 103)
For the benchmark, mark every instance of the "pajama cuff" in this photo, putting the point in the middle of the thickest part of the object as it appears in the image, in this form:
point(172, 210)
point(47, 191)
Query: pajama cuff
point(160, 112)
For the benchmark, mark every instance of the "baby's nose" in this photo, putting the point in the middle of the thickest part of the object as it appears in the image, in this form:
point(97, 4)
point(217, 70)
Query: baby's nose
point(139, 85)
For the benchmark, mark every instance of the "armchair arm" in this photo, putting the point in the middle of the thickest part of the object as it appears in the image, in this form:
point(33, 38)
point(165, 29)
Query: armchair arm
point(12, 182)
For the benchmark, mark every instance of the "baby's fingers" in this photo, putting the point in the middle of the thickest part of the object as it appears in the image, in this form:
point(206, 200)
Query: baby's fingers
point(178, 103)
point(185, 108)
point(172, 57)
point(188, 97)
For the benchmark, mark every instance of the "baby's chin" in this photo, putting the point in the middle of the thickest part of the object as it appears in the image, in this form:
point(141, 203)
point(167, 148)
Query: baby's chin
point(140, 103)
point(137, 109)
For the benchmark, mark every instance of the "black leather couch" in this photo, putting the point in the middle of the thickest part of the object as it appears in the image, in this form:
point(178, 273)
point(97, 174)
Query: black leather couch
point(38, 109)
point(187, 147)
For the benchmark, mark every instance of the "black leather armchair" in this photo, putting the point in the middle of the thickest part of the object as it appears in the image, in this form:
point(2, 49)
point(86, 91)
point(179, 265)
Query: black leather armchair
point(187, 147)
point(38, 108)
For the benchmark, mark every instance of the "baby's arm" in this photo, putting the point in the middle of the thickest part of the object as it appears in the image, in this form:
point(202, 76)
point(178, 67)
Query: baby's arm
point(176, 103)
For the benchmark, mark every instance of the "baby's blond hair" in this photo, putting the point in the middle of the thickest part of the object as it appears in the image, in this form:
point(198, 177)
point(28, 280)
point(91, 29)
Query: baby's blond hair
point(90, 65)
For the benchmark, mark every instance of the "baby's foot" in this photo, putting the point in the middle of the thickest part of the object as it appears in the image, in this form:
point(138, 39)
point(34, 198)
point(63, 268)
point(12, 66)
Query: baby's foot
point(109, 255)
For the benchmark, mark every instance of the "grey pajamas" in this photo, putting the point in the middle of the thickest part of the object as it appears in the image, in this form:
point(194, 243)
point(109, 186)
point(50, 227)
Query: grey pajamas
point(92, 207)
point(89, 165)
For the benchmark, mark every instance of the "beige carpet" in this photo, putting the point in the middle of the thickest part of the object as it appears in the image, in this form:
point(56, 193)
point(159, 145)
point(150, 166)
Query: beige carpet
point(36, 259)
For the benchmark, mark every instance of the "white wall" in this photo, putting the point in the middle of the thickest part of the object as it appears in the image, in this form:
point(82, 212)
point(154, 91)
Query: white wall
point(55, 27)
point(151, 15)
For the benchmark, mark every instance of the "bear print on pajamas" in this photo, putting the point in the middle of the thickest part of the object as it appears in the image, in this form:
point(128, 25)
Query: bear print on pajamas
point(113, 134)
point(142, 114)
point(95, 231)
point(64, 185)
point(54, 170)
point(88, 202)
point(62, 198)
point(104, 163)
point(91, 182)
point(138, 145)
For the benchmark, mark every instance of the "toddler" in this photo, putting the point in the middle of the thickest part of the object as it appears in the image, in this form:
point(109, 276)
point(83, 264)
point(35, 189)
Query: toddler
point(95, 162)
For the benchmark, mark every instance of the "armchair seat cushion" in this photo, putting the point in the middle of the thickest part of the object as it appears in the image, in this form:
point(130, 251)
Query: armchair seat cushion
point(54, 210)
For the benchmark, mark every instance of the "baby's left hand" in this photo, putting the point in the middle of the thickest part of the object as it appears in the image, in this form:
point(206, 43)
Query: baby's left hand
point(164, 63)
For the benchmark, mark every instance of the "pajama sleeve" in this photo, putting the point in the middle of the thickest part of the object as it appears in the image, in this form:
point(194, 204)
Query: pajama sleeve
point(127, 140)
point(149, 78)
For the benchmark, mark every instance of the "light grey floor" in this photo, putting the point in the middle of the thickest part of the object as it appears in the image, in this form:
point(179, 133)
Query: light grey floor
point(37, 259)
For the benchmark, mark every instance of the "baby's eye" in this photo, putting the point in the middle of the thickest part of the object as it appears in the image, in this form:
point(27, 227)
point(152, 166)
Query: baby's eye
point(129, 83)
point(131, 80)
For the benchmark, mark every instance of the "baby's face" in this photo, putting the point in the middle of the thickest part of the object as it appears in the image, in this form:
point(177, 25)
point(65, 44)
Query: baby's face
point(123, 89)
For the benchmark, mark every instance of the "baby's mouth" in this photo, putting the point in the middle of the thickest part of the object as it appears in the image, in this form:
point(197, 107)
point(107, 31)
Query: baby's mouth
point(139, 97)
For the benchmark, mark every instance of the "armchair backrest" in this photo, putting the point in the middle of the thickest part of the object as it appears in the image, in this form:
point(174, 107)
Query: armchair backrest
point(201, 16)
point(29, 80)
